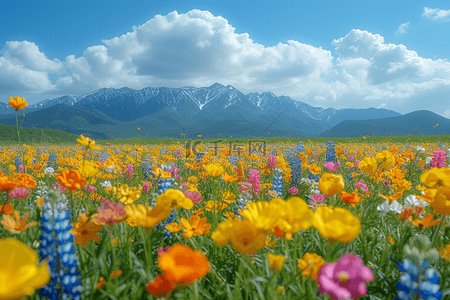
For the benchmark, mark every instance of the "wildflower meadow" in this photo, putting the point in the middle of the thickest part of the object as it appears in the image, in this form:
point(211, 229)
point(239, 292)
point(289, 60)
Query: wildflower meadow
point(273, 221)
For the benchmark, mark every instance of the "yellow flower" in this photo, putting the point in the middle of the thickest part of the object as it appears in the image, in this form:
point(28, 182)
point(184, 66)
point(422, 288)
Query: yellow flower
point(331, 184)
point(87, 169)
point(276, 262)
point(127, 195)
point(214, 170)
point(280, 289)
point(386, 158)
point(173, 199)
point(315, 169)
point(368, 165)
point(216, 206)
point(246, 238)
point(195, 226)
point(147, 216)
point(311, 264)
point(222, 234)
point(445, 252)
point(436, 177)
point(262, 214)
point(295, 214)
point(88, 143)
point(174, 227)
point(336, 224)
point(441, 202)
point(230, 215)
point(17, 102)
point(20, 275)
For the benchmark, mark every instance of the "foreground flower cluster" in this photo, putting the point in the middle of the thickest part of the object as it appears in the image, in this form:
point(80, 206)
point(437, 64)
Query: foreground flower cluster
point(306, 221)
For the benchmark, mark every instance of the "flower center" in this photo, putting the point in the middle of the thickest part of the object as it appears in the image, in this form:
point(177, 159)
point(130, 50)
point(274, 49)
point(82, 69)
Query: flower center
point(343, 276)
point(71, 181)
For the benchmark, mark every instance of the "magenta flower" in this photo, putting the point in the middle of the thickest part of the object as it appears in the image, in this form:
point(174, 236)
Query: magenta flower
point(21, 168)
point(351, 156)
point(19, 192)
point(101, 160)
point(145, 187)
point(272, 161)
point(356, 163)
point(174, 171)
point(362, 185)
point(331, 165)
point(317, 198)
point(293, 190)
point(90, 189)
point(110, 212)
point(385, 182)
point(194, 196)
point(345, 278)
point(162, 250)
point(254, 179)
point(184, 186)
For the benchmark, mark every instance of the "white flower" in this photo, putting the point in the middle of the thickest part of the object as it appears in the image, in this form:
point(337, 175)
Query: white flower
point(106, 184)
point(411, 200)
point(396, 207)
point(423, 203)
point(420, 149)
point(384, 208)
point(49, 170)
point(428, 159)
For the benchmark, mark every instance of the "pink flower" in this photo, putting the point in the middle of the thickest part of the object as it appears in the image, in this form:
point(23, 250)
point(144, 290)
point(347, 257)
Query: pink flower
point(19, 193)
point(293, 190)
point(90, 189)
point(174, 171)
point(145, 187)
point(184, 186)
point(331, 165)
point(101, 160)
point(179, 178)
point(253, 179)
point(356, 163)
point(62, 189)
point(272, 161)
point(351, 156)
point(362, 185)
point(317, 198)
point(386, 182)
point(21, 169)
point(345, 278)
point(162, 250)
point(194, 196)
point(110, 212)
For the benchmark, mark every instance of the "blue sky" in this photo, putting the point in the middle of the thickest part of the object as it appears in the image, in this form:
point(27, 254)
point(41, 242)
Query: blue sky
point(355, 54)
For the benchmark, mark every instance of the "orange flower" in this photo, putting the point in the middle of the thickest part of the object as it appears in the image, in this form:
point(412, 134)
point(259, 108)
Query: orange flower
point(17, 102)
point(160, 287)
point(27, 181)
point(15, 226)
point(406, 213)
point(101, 280)
point(445, 252)
point(71, 180)
point(390, 240)
point(8, 183)
point(195, 226)
point(392, 197)
point(7, 209)
point(85, 230)
point(182, 264)
point(349, 198)
point(426, 222)
point(230, 178)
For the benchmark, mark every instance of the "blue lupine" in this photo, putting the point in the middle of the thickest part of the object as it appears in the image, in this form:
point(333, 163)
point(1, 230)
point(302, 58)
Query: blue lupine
point(410, 286)
point(331, 153)
point(163, 151)
point(164, 184)
point(104, 155)
point(34, 160)
point(277, 184)
point(296, 165)
point(313, 177)
point(199, 157)
point(56, 245)
point(233, 160)
point(17, 161)
point(52, 161)
point(274, 151)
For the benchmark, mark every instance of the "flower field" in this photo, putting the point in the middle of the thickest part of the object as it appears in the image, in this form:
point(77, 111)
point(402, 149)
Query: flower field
point(283, 221)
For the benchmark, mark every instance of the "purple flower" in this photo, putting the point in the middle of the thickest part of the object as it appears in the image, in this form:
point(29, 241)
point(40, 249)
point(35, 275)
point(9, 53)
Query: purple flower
point(145, 187)
point(345, 278)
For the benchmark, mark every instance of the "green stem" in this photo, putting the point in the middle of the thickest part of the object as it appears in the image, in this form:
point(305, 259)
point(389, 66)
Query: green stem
point(433, 241)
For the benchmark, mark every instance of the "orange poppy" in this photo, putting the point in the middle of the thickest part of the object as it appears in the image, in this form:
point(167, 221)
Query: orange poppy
point(71, 179)
point(349, 198)
point(14, 225)
point(160, 287)
point(182, 264)
point(406, 213)
point(8, 183)
point(27, 181)
point(230, 178)
point(101, 280)
point(85, 230)
point(392, 197)
point(17, 102)
point(7, 209)
point(426, 222)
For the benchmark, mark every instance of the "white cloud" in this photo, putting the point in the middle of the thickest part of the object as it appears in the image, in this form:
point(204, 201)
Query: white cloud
point(382, 105)
point(402, 29)
point(436, 14)
point(198, 49)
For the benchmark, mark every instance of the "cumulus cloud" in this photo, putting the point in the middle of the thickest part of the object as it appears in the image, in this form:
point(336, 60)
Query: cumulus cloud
point(402, 29)
point(198, 49)
point(436, 14)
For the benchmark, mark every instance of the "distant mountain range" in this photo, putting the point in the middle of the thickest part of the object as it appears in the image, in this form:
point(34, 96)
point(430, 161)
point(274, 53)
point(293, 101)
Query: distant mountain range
point(110, 113)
